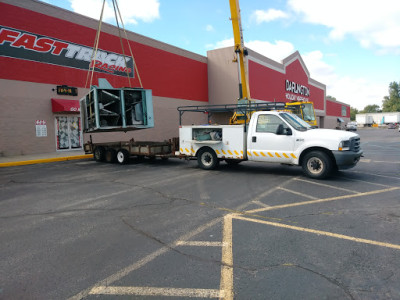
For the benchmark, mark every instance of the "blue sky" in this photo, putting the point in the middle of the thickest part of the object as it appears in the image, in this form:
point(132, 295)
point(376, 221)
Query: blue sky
point(352, 46)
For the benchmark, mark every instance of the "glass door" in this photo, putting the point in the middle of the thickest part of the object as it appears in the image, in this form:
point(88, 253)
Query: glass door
point(68, 133)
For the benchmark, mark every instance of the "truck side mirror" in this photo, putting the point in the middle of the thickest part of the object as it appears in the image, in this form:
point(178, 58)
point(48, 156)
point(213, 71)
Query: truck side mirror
point(279, 129)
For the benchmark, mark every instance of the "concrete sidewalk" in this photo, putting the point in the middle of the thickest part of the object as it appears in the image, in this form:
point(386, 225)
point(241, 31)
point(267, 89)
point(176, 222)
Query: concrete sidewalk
point(10, 161)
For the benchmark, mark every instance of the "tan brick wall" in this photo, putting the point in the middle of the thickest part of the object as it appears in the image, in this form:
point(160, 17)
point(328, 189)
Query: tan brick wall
point(22, 103)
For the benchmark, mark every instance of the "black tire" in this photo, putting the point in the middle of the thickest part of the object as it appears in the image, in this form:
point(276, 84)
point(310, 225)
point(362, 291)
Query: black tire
point(207, 159)
point(232, 162)
point(99, 153)
point(317, 165)
point(123, 156)
point(111, 155)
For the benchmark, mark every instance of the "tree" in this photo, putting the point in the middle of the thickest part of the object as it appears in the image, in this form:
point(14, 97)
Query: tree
point(392, 102)
point(372, 108)
point(353, 112)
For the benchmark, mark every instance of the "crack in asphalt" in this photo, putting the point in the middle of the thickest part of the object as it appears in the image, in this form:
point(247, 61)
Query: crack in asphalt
point(290, 265)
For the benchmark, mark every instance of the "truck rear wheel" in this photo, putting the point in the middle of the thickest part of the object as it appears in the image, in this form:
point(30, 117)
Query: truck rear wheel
point(99, 153)
point(111, 155)
point(122, 156)
point(207, 159)
point(317, 165)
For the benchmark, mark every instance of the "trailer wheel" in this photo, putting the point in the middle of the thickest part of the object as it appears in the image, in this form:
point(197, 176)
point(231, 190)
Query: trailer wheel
point(207, 159)
point(111, 155)
point(99, 153)
point(317, 165)
point(123, 156)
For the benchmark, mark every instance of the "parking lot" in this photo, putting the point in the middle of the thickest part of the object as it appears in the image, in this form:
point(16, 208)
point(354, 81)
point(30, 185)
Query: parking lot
point(168, 229)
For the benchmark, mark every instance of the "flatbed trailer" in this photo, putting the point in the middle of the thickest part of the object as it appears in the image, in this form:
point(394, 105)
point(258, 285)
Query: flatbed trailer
point(121, 151)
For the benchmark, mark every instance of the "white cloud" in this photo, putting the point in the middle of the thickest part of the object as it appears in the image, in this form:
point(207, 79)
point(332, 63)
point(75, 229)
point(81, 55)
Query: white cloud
point(277, 51)
point(268, 15)
point(221, 44)
point(358, 92)
point(132, 11)
point(372, 23)
point(209, 28)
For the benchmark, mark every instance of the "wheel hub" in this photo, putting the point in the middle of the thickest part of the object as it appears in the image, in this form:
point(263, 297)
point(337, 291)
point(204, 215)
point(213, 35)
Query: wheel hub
point(315, 165)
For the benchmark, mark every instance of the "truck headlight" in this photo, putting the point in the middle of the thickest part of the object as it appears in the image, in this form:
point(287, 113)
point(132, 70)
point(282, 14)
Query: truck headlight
point(344, 146)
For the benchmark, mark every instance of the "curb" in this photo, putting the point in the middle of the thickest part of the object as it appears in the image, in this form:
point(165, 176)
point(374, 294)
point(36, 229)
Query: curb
point(44, 160)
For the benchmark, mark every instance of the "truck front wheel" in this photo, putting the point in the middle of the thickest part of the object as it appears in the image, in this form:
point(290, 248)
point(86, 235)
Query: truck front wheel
point(207, 159)
point(317, 165)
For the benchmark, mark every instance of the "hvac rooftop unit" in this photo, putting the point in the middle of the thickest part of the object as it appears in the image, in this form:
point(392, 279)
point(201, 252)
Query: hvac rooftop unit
point(116, 109)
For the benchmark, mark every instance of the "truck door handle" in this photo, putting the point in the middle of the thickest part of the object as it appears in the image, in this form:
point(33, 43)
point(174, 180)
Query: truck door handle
point(253, 139)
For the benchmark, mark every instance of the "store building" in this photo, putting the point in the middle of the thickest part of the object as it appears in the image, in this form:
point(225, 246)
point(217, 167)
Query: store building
point(45, 53)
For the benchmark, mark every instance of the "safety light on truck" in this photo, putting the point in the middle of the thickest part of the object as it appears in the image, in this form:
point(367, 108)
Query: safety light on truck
point(344, 145)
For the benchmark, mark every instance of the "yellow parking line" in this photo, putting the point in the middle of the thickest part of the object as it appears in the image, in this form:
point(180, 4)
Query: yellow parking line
point(226, 284)
point(319, 232)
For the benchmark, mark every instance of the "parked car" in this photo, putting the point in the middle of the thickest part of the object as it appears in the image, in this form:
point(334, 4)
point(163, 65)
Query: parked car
point(351, 126)
point(391, 126)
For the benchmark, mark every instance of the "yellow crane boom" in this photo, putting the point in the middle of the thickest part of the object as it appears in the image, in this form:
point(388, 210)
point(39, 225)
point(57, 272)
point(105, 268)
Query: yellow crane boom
point(303, 110)
point(240, 50)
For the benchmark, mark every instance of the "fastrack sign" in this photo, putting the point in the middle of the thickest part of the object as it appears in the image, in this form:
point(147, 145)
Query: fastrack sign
point(28, 46)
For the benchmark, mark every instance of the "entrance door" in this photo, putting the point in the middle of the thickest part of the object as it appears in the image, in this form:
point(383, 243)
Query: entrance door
point(68, 133)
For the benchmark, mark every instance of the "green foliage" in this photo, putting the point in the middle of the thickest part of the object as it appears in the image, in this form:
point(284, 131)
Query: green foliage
point(391, 103)
point(353, 112)
point(372, 108)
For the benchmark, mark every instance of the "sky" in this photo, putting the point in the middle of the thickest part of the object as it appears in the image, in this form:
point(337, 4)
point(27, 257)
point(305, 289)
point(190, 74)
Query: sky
point(351, 46)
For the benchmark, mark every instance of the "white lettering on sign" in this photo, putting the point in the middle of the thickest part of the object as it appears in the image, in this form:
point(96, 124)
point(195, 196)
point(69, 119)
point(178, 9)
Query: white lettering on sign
point(50, 50)
point(297, 88)
point(292, 97)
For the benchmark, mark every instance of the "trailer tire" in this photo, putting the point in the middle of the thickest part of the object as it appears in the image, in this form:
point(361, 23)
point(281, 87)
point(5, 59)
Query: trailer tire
point(111, 155)
point(207, 159)
point(317, 165)
point(123, 156)
point(99, 153)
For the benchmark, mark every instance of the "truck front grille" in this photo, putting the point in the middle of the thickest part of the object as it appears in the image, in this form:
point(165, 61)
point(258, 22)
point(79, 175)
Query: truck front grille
point(355, 144)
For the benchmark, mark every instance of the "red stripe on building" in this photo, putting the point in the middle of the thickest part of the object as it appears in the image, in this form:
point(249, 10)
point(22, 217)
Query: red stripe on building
point(167, 74)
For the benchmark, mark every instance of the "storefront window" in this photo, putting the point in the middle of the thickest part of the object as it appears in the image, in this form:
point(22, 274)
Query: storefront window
point(344, 111)
point(68, 133)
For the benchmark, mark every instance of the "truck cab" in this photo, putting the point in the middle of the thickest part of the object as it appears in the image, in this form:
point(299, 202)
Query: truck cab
point(285, 138)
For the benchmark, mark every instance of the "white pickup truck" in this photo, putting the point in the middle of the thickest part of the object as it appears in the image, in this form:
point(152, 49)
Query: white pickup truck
point(272, 136)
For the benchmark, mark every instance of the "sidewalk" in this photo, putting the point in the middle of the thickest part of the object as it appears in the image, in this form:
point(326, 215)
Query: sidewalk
point(10, 161)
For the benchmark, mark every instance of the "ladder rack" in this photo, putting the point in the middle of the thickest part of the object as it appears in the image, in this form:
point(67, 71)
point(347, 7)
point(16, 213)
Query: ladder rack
point(239, 108)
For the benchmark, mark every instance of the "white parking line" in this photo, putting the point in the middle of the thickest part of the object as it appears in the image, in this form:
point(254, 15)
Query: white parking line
point(298, 193)
point(199, 243)
point(327, 185)
point(154, 291)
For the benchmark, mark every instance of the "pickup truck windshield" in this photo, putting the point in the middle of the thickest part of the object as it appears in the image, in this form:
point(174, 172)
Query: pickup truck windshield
point(295, 121)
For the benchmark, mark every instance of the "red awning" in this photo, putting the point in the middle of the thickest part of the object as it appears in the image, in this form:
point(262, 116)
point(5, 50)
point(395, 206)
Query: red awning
point(63, 105)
